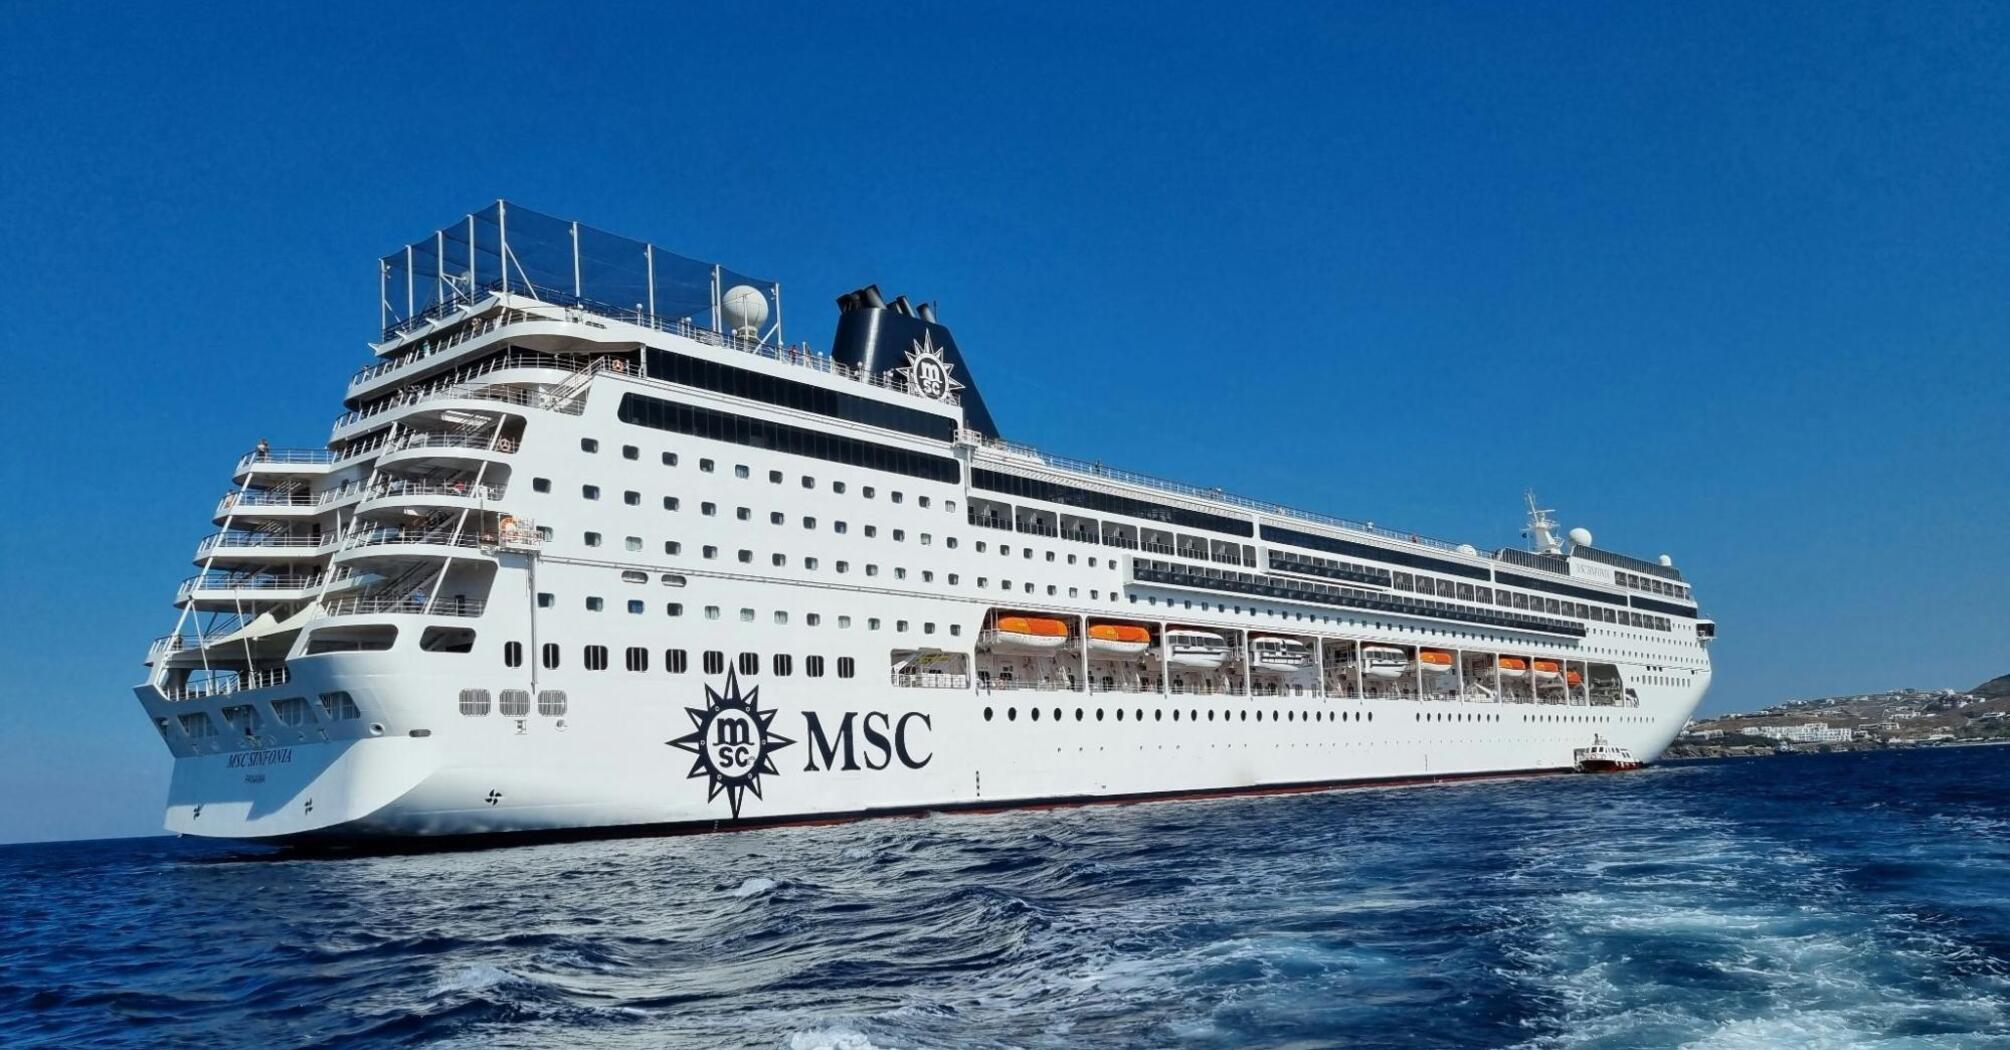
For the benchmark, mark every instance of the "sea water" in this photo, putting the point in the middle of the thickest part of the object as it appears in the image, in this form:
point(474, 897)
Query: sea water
point(1821, 900)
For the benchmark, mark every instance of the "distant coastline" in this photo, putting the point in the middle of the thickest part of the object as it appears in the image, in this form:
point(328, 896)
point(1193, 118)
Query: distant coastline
point(1901, 718)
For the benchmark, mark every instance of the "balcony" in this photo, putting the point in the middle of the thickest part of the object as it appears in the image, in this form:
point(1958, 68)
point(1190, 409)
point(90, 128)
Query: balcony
point(430, 494)
point(214, 586)
point(235, 683)
point(285, 461)
point(402, 605)
point(264, 545)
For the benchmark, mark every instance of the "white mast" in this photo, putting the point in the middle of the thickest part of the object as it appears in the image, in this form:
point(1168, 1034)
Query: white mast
point(1541, 531)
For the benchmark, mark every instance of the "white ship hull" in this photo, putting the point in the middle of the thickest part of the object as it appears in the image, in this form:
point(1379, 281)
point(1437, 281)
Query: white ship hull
point(565, 570)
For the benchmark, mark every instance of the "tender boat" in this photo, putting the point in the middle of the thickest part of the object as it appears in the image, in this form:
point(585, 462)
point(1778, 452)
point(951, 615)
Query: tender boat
point(1513, 667)
point(1602, 757)
point(1118, 639)
point(1384, 661)
point(1028, 634)
point(1434, 661)
point(1273, 655)
point(1548, 670)
point(1201, 650)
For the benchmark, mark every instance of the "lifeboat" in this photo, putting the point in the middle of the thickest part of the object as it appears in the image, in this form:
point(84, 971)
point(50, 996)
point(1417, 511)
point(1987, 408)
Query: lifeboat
point(1117, 639)
point(1573, 678)
point(1382, 661)
point(1513, 667)
point(1203, 650)
point(1547, 670)
point(1278, 655)
point(1434, 661)
point(1029, 634)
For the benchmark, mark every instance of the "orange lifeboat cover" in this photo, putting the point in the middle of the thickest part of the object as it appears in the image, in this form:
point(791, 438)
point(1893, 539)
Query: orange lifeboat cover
point(1434, 656)
point(1546, 666)
point(1514, 663)
point(1574, 678)
point(1034, 625)
point(1118, 632)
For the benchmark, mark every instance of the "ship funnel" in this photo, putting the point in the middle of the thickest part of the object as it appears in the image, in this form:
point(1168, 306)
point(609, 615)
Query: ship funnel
point(927, 312)
point(901, 307)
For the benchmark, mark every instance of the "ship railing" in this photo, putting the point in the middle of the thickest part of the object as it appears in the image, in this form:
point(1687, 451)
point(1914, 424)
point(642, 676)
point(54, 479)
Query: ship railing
point(447, 489)
point(304, 456)
point(931, 680)
point(226, 683)
point(401, 605)
point(384, 537)
point(424, 439)
point(213, 581)
point(458, 385)
point(259, 539)
point(799, 355)
point(1099, 470)
point(1036, 528)
point(475, 328)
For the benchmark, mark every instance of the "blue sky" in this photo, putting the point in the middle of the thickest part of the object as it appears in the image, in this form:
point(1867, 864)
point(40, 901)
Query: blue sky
point(1726, 281)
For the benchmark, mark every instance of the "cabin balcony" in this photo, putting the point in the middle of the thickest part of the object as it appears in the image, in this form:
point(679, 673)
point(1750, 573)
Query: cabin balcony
point(403, 605)
point(425, 497)
point(236, 589)
point(283, 463)
point(420, 450)
point(261, 547)
point(393, 544)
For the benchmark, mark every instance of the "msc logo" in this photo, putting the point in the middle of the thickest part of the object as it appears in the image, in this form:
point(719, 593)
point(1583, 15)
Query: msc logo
point(731, 739)
point(735, 743)
point(927, 372)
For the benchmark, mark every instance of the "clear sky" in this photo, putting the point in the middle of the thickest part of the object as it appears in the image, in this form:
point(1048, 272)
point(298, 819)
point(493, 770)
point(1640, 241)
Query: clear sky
point(1720, 282)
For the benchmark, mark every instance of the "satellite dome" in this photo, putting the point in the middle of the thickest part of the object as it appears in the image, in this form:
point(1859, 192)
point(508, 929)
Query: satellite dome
point(745, 309)
point(1469, 550)
point(1667, 562)
point(1580, 536)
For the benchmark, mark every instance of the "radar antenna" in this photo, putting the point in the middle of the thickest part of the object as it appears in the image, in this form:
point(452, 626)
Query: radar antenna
point(1541, 531)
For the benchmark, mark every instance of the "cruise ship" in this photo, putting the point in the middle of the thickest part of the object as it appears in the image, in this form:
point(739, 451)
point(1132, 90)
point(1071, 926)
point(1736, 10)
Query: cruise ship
point(593, 549)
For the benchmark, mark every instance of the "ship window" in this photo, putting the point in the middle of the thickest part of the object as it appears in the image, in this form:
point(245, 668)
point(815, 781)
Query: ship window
point(746, 616)
point(669, 459)
point(592, 539)
point(781, 617)
point(540, 484)
point(813, 666)
point(709, 509)
point(340, 705)
point(844, 622)
point(845, 667)
point(292, 710)
point(596, 658)
point(551, 703)
point(711, 612)
point(900, 625)
point(447, 640)
point(549, 657)
point(630, 452)
point(956, 628)
point(810, 564)
point(711, 551)
point(740, 471)
point(512, 654)
point(837, 487)
point(844, 566)
point(671, 503)
point(744, 513)
point(631, 498)
point(638, 658)
point(871, 531)
point(674, 609)
point(776, 517)
point(813, 619)
point(589, 491)
point(474, 702)
point(928, 628)
point(635, 606)
point(955, 578)
point(871, 569)
point(746, 557)
point(867, 492)
point(951, 541)
point(778, 560)
point(838, 527)
point(594, 604)
point(750, 663)
point(899, 535)
point(872, 623)
point(675, 662)
point(923, 500)
point(809, 482)
point(705, 465)
point(809, 522)
point(784, 665)
point(633, 543)
point(774, 477)
point(589, 445)
point(198, 725)
point(894, 496)
point(672, 547)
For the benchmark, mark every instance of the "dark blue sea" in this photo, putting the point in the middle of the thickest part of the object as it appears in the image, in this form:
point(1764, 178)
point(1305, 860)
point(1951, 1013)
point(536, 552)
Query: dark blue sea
point(1819, 901)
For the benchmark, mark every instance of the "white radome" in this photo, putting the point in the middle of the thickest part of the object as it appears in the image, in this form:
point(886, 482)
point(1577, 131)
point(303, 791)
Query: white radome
point(1580, 536)
point(746, 309)
point(1667, 562)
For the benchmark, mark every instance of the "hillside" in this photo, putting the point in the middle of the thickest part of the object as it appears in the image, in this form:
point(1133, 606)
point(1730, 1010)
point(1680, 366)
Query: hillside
point(1993, 689)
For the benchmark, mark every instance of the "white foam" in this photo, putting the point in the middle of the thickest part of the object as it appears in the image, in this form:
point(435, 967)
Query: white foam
point(754, 885)
point(474, 978)
point(830, 1039)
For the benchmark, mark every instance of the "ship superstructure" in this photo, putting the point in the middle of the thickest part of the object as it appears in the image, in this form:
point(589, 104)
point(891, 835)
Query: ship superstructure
point(592, 546)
